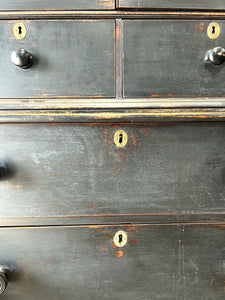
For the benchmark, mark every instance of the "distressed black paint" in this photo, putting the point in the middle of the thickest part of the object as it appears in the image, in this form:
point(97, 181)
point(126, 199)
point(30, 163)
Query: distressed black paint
point(158, 262)
point(71, 58)
point(66, 170)
point(167, 59)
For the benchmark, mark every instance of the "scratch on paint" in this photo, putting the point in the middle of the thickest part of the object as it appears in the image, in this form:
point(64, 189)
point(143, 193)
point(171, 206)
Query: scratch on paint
point(120, 253)
point(106, 3)
point(104, 249)
point(17, 186)
point(181, 272)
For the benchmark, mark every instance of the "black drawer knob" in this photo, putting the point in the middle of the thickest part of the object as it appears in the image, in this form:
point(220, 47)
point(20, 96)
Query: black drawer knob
point(7, 170)
point(216, 55)
point(3, 280)
point(22, 58)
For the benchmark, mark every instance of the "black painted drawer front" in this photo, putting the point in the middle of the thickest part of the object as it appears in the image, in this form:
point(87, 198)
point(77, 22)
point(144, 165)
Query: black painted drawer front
point(71, 58)
point(56, 4)
point(166, 58)
point(76, 170)
point(166, 4)
point(181, 262)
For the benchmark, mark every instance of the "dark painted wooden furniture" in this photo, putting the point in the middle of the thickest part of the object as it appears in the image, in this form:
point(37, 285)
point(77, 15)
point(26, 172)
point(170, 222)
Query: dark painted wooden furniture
point(112, 157)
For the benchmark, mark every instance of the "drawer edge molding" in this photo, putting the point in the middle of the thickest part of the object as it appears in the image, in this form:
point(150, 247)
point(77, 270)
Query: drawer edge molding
point(110, 103)
point(102, 220)
point(77, 14)
point(112, 116)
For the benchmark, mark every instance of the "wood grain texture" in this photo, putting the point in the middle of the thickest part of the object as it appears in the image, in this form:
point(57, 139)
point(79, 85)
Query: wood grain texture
point(181, 262)
point(166, 59)
point(71, 58)
point(56, 4)
point(76, 170)
point(173, 4)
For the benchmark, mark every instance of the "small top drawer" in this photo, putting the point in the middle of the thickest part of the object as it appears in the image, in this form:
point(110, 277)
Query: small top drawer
point(70, 59)
point(56, 4)
point(174, 58)
point(165, 4)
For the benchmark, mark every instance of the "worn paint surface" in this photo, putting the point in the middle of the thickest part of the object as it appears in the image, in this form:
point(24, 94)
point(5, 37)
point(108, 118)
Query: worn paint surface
point(110, 4)
point(77, 61)
point(58, 174)
point(77, 170)
point(179, 261)
point(185, 4)
point(159, 62)
point(54, 5)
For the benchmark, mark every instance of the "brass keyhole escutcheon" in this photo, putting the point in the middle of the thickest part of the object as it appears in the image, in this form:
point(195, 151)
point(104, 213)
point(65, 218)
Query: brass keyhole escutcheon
point(120, 238)
point(20, 31)
point(213, 30)
point(120, 138)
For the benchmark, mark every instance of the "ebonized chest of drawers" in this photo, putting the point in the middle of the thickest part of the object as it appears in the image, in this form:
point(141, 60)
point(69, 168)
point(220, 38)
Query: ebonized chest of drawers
point(112, 157)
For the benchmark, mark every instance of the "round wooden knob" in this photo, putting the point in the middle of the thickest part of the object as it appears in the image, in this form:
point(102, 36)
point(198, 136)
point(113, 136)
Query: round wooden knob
point(22, 58)
point(3, 280)
point(216, 55)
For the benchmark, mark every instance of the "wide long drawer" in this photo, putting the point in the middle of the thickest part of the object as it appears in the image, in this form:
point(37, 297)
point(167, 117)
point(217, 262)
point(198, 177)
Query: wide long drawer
point(168, 58)
point(181, 262)
point(173, 4)
point(77, 170)
point(56, 4)
point(70, 58)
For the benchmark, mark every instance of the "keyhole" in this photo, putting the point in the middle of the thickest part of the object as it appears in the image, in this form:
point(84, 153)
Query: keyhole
point(213, 30)
point(20, 31)
point(121, 138)
point(120, 238)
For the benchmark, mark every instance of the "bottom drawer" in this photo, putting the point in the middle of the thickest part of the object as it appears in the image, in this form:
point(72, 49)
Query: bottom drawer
point(82, 262)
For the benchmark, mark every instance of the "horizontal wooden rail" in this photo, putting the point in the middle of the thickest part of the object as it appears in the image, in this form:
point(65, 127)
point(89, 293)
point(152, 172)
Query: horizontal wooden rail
point(111, 116)
point(128, 14)
point(107, 103)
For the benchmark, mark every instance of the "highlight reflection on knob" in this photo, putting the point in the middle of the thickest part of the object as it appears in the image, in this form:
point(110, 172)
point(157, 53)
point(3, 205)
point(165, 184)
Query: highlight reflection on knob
point(216, 55)
point(22, 58)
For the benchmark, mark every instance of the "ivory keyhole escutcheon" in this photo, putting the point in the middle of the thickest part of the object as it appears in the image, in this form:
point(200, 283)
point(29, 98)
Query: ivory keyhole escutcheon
point(120, 138)
point(20, 31)
point(213, 30)
point(120, 238)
